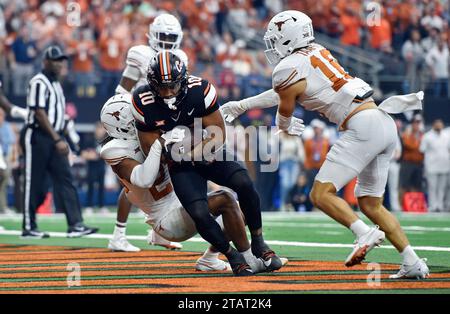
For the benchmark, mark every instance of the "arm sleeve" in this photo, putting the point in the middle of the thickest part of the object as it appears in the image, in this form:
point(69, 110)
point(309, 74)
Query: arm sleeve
point(266, 99)
point(144, 175)
point(36, 95)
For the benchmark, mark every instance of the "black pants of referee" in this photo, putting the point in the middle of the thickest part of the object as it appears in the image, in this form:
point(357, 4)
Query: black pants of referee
point(190, 185)
point(41, 159)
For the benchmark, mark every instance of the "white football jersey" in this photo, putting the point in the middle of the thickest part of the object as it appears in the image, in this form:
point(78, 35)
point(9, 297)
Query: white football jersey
point(330, 90)
point(155, 201)
point(139, 56)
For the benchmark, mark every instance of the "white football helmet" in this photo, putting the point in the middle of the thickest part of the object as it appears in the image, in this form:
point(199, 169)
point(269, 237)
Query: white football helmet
point(287, 31)
point(165, 33)
point(117, 118)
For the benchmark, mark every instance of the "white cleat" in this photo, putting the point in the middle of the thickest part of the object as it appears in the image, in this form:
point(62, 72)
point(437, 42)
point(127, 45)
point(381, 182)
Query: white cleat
point(419, 270)
point(212, 265)
point(155, 239)
point(363, 245)
point(121, 244)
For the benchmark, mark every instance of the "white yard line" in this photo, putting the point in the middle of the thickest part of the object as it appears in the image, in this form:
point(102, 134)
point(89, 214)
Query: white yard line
point(271, 242)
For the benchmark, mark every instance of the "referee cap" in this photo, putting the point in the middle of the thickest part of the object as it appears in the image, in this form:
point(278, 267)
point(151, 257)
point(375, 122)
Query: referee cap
point(54, 53)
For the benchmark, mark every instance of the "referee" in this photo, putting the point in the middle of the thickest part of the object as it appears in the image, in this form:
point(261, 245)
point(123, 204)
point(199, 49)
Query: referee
point(46, 150)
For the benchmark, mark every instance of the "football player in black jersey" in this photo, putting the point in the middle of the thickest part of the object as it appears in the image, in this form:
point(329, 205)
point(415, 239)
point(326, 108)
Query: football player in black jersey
point(174, 98)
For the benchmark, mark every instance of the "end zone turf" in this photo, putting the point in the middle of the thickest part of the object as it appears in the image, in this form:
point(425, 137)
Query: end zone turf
point(43, 269)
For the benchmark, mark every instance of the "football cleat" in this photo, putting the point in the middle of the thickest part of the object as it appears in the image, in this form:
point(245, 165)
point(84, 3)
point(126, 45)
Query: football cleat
point(155, 239)
point(122, 245)
point(204, 264)
point(271, 261)
point(419, 270)
point(242, 270)
point(363, 245)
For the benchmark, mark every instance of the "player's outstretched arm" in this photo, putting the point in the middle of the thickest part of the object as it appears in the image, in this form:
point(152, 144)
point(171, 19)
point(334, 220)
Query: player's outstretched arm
point(233, 109)
point(284, 119)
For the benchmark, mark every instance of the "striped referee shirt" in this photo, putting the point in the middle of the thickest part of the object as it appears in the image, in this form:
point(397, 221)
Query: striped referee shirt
point(45, 92)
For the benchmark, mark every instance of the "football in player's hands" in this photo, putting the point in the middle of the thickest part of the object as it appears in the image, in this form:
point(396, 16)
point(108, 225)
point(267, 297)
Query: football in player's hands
point(179, 144)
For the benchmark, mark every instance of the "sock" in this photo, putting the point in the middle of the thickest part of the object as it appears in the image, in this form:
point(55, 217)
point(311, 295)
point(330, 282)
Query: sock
point(255, 263)
point(258, 245)
point(119, 229)
point(234, 257)
point(359, 228)
point(409, 256)
point(210, 254)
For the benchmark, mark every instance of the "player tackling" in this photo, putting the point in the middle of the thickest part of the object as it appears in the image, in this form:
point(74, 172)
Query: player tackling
point(307, 73)
point(164, 33)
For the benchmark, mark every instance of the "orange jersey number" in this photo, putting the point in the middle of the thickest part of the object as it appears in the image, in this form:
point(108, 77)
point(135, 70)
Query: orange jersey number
point(157, 195)
point(338, 80)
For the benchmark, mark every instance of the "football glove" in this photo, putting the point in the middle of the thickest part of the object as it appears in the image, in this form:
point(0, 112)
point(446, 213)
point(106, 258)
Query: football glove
point(231, 110)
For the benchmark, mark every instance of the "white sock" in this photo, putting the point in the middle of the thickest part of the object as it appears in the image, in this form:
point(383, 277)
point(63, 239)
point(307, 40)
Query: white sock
point(210, 255)
point(252, 261)
point(409, 256)
point(359, 228)
point(120, 229)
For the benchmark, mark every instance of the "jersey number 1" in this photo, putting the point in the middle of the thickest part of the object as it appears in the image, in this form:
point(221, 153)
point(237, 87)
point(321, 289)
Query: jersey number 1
point(338, 80)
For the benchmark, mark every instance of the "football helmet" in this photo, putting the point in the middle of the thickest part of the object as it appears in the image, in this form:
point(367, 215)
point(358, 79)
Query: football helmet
point(287, 31)
point(167, 77)
point(117, 118)
point(165, 33)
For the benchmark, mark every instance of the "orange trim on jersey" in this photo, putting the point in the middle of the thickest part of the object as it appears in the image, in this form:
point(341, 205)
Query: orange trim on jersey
point(161, 66)
point(286, 82)
point(213, 102)
point(136, 107)
point(207, 89)
point(168, 66)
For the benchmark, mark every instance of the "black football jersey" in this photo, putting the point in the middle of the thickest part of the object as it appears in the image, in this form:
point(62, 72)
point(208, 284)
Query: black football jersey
point(151, 113)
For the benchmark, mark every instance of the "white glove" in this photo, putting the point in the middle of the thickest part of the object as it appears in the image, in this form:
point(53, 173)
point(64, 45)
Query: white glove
point(291, 125)
point(173, 136)
point(231, 110)
point(296, 127)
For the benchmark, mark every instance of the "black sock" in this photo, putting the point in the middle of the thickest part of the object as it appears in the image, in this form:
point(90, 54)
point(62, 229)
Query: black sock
point(235, 258)
point(258, 245)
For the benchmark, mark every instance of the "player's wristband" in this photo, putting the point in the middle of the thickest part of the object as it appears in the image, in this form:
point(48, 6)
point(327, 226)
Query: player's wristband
point(282, 122)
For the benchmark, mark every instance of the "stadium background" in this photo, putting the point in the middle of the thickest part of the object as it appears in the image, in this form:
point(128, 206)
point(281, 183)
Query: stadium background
point(223, 40)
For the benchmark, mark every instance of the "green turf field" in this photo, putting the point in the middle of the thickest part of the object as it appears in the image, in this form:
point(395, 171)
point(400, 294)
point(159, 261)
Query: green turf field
point(302, 236)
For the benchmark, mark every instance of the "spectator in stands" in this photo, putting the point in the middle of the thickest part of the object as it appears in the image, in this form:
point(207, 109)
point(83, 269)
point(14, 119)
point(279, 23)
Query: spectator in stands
point(24, 51)
point(381, 35)
point(413, 54)
point(7, 140)
point(316, 149)
point(394, 171)
point(112, 54)
point(299, 195)
point(351, 24)
point(82, 51)
point(435, 146)
point(291, 155)
point(95, 169)
point(437, 60)
point(411, 164)
point(431, 40)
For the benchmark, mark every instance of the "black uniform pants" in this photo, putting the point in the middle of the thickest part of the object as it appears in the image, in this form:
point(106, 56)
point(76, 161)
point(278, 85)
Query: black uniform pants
point(190, 185)
point(41, 158)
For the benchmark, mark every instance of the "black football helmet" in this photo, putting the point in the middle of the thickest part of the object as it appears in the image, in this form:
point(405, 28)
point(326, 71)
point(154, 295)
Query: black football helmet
point(167, 76)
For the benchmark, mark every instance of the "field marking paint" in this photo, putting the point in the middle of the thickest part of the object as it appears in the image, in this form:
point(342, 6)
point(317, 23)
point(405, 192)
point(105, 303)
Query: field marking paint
point(271, 242)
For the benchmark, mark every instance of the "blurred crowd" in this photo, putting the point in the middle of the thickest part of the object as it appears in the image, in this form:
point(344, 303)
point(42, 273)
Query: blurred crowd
point(97, 35)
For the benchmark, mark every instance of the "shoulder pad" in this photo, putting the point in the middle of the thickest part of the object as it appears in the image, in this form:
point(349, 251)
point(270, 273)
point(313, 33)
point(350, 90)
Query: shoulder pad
point(116, 150)
point(136, 102)
point(210, 94)
point(139, 56)
point(290, 70)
